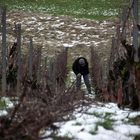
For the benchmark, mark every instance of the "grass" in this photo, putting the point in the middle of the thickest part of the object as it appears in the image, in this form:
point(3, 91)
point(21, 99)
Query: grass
point(107, 124)
point(78, 124)
point(135, 120)
point(105, 115)
point(96, 114)
point(92, 9)
point(106, 121)
point(93, 132)
point(2, 104)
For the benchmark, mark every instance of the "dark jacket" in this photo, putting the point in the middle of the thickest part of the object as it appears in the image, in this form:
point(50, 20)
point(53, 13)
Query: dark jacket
point(77, 68)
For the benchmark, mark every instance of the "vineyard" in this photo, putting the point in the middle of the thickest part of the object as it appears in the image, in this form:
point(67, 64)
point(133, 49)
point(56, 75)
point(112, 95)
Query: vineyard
point(36, 58)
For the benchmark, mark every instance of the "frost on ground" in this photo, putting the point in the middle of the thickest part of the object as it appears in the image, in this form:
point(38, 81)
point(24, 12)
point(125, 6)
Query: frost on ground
point(100, 122)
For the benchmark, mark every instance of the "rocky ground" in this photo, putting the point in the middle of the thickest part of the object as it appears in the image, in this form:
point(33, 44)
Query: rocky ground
point(54, 33)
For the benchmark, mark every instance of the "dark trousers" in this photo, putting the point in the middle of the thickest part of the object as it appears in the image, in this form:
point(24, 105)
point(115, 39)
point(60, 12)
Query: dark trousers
point(86, 81)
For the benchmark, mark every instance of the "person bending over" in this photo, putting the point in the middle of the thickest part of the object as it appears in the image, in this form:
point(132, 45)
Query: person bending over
point(81, 69)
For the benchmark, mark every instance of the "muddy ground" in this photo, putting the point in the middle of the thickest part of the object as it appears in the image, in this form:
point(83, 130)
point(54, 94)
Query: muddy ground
point(54, 33)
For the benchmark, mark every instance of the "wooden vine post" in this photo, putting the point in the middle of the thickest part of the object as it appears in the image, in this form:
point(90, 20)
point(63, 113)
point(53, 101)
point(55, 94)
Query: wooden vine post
point(135, 30)
point(19, 57)
point(3, 22)
point(136, 44)
point(30, 58)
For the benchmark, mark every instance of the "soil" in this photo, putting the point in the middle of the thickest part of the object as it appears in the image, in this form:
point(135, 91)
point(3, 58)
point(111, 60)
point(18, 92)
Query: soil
point(55, 33)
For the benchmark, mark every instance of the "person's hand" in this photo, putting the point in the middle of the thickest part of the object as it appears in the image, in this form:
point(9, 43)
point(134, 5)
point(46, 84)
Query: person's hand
point(78, 75)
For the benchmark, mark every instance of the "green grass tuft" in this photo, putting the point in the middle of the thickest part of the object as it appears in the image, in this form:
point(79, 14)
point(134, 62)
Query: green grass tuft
point(92, 9)
point(2, 104)
point(107, 124)
point(78, 124)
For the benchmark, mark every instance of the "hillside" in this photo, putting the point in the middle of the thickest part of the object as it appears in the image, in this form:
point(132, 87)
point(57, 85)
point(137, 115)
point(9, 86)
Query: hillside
point(54, 33)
